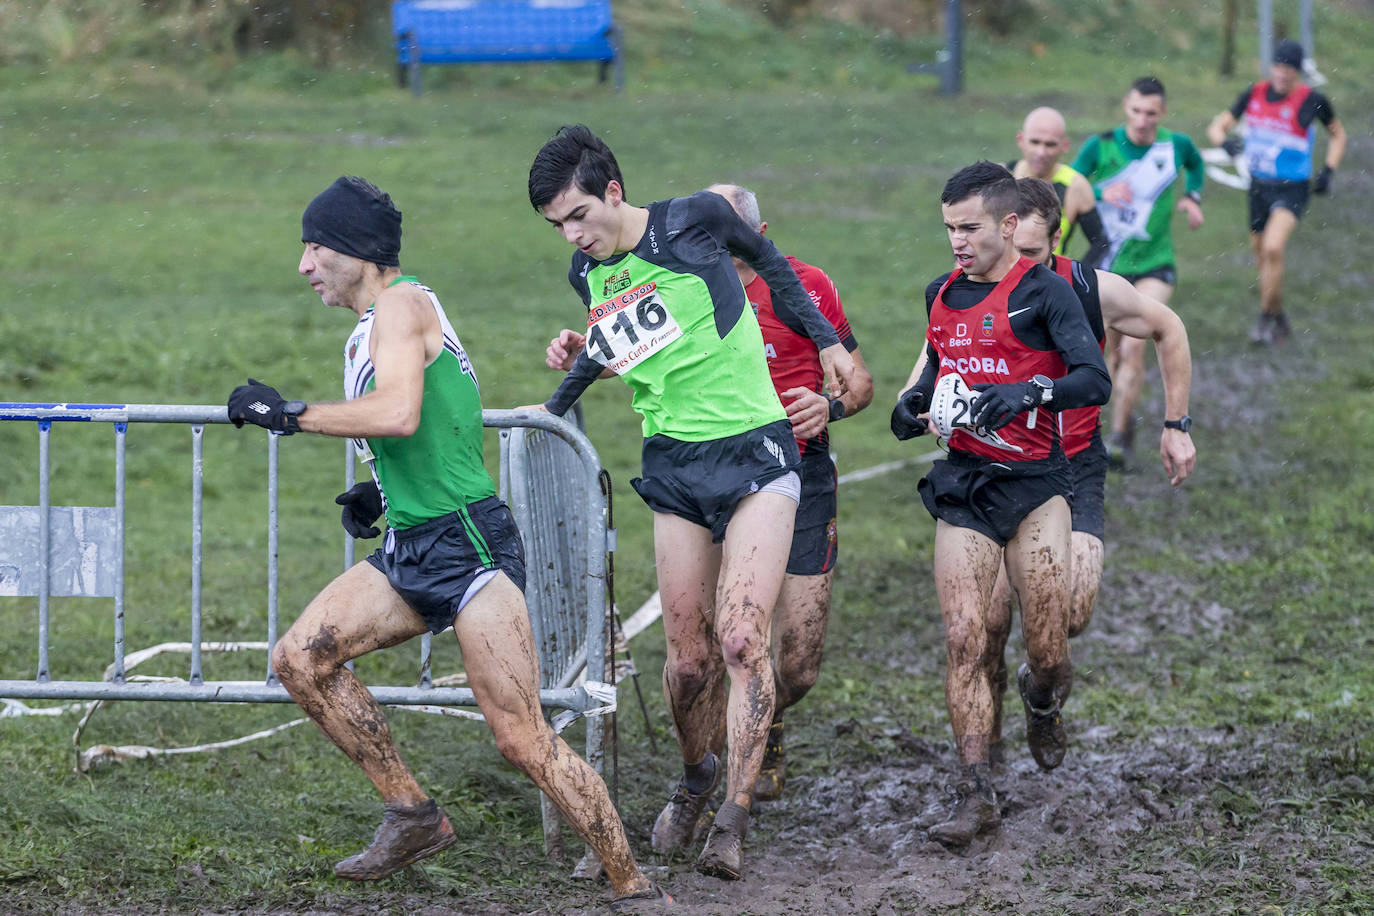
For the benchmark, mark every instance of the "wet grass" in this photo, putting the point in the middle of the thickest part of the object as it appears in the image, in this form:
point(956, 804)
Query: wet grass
point(152, 245)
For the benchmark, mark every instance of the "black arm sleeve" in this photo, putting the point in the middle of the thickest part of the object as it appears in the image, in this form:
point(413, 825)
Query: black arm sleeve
point(926, 382)
point(1321, 110)
point(584, 371)
point(790, 302)
point(1242, 101)
point(1098, 243)
point(1087, 382)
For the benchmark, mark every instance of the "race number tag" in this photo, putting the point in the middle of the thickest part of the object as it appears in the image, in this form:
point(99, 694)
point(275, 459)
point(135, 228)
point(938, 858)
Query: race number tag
point(951, 409)
point(630, 328)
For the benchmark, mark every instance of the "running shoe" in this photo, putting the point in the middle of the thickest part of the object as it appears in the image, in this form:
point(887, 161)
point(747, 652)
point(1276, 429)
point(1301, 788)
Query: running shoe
point(676, 826)
point(1044, 726)
point(1279, 331)
point(773, 773)
point(723, 855)
point(975, 810)
point(406, 836)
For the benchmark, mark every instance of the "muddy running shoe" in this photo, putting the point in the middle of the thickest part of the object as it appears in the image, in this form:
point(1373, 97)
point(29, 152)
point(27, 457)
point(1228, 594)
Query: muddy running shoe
point(1044, 726)
point(1279, 330)
point(653, 900)
point(676, 826)
point(975, 811)
point(406, 836)
point(1121, 449)
point(723, 855)
point(773, 774)
point(1262, 332)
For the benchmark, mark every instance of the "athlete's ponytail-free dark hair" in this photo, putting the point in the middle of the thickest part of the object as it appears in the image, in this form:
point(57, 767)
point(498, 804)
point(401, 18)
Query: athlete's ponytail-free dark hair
point(575, 156)
point(1038, 198)
point(1149, 85)
point(986, 179)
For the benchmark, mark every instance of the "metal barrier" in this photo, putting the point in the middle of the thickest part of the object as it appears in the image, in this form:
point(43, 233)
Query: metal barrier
point(550, 476)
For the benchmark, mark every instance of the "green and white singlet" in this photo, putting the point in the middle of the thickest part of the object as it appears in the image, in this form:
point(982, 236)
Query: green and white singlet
point(1140, 236)
point(438, 469)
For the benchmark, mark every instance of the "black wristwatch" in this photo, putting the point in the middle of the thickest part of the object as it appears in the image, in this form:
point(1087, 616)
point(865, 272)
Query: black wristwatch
point(1046, 386)
point(836, 409)
point(1183, 424)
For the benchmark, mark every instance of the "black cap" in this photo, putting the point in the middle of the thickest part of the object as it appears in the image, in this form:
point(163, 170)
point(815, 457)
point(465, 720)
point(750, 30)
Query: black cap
point(353, 217)
point(1288, 52)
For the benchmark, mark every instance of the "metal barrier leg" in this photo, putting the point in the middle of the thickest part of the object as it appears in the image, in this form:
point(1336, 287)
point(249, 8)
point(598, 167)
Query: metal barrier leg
point(197, 531)
point(272, 442)
point(121, 430)
point(44, 549)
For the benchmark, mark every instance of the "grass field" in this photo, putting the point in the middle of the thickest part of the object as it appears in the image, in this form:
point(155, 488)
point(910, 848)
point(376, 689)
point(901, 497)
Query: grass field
point(152, 234)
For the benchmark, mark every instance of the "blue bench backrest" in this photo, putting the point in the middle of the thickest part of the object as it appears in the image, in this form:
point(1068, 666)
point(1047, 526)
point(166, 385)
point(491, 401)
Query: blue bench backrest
point(460, 31)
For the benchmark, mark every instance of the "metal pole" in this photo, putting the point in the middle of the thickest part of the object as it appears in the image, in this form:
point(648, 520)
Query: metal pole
point(426, 660)
point(272, 439)
point(1305, 19)
point(952, 64)
point(1266, 36)
point(121, 430)
point(44, 549)
point(197, 491)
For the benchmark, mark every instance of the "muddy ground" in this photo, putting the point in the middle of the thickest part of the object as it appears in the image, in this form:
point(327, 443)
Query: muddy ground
point(1126, 818)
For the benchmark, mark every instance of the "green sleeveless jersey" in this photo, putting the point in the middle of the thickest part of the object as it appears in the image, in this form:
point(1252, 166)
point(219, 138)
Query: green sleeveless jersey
point(1139, 233)
point(438, 469)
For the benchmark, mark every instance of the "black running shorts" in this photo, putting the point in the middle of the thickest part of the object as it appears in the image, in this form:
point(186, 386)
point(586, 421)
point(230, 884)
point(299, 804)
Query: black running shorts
point(1266, 196)
point(814, 548)
point(993, 498)
point(1166, 274)
point(1090, 488)
point(431, 566)
point(704, 481)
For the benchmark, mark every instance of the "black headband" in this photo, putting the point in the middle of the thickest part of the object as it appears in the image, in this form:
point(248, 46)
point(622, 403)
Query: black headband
point(350, 217)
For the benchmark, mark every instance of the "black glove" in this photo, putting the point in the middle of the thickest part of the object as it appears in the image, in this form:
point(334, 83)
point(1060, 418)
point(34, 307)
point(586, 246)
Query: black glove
point(1323, 181)
point(261, 405)
point(1233, 146)
point(997, 405)
point(905, 423)
point(362, 506)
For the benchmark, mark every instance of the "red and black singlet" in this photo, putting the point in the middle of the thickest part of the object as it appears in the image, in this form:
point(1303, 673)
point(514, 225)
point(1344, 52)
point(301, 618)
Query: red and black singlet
point(1077, 425)
point(979, 345)
point(793, 359)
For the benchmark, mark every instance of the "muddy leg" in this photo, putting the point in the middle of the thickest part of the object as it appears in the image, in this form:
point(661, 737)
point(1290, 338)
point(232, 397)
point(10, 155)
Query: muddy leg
point(500, 659)
point(693, 673)
point(966, 564)
point(355, 614)
point(753, 563)
point(799, 622)
point(1087, 578)
point(1038, 559)
point(998, 622)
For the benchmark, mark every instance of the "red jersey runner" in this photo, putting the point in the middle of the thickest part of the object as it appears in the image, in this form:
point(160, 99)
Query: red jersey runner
point(979, 345)
point(793, 360)
point(1277, 146)
point(1077, 425)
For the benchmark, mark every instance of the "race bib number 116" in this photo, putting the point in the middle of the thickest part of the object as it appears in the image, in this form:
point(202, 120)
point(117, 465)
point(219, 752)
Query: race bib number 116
point(630, 328)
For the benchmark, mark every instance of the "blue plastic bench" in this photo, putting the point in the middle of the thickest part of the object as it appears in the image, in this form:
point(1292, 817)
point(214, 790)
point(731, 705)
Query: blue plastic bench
point(489, 31)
